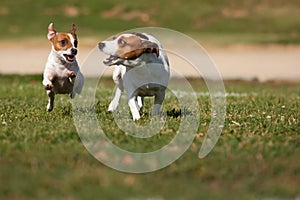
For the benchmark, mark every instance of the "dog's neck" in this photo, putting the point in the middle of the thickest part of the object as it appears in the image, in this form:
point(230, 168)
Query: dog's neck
point(55, 57)
point(142, 60)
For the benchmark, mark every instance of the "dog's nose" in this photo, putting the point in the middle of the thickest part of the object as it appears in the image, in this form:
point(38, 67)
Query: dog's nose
point(74, 51)
point(101, 45)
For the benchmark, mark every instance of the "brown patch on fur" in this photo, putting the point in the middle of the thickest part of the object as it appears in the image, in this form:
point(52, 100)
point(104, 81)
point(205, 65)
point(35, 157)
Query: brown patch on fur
point(133, 47)
point(61, 41)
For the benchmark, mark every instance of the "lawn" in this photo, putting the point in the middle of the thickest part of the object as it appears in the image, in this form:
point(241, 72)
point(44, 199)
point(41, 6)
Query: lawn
point(256, 157)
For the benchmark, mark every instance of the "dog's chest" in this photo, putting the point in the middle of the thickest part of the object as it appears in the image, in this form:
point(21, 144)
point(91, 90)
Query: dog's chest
point(62, 85)
point(62, 82)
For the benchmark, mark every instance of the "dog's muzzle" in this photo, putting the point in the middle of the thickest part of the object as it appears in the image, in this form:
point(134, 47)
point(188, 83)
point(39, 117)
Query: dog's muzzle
point(101, 45)
point(111, 60)
point(74, 51)
point(71, 57)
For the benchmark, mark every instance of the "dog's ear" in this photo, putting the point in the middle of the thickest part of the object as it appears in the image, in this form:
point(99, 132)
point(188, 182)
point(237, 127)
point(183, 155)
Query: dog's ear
point(150, 47)
point(131, 55)
point(145, 47)
point(74, 28)
point(51, 31)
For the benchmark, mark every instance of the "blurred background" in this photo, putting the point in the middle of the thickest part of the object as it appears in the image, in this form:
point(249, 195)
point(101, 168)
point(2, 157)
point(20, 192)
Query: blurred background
point(255, 39)
point(259, 21)
point(258, 156)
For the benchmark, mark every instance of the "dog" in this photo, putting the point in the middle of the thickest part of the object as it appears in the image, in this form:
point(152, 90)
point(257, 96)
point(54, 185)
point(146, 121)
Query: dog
point(141, 68)
point(62, 74)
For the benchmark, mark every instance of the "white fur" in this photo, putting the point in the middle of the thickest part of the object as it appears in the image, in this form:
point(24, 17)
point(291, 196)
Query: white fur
point(61, 76)
point(147, 75)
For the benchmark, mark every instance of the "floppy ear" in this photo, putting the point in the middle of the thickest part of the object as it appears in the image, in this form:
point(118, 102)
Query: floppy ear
point(74, 28)
point(131, 55)
point(145, 47)
point(51, 31)
point(150, 47)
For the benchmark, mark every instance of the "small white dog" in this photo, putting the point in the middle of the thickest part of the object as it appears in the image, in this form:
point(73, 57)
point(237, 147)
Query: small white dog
point(62, 74)
point(141, 67)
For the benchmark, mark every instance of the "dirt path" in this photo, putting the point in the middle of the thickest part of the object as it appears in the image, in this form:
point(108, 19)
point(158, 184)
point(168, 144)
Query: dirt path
point(246, 62)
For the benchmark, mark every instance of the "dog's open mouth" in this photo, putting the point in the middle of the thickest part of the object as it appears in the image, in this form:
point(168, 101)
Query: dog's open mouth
point(70, 58)
point(110, 60)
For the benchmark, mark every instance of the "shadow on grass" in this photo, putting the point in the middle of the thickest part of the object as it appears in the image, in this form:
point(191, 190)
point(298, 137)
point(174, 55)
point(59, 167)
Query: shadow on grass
point(175, 113)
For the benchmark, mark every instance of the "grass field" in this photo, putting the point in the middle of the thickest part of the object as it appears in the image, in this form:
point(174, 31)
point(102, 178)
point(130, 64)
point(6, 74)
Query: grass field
point(232, 21)
point(256, 157)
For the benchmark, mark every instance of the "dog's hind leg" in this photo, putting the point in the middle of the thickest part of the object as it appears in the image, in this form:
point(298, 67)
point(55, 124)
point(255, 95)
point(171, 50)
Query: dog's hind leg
point(72, 95)
point(158, 100)
point(78, 85)
point(50, 104)
point(139, 102)
point(133, 108)
point(79, 82)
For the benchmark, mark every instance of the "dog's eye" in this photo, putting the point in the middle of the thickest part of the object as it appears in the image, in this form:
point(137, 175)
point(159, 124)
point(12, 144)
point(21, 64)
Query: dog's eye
point(63, 42)
point(121, 41)
point(75, 43)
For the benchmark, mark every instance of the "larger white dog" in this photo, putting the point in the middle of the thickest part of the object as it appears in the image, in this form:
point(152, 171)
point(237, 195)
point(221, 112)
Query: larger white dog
point(141, 67)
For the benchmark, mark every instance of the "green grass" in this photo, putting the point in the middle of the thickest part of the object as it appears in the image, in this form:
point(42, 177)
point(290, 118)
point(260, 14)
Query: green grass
point(257, 155)
point(255, 21)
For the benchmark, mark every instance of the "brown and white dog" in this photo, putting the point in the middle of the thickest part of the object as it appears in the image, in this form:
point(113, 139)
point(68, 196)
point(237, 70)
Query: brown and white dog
point(141, 67)
point(62, 74)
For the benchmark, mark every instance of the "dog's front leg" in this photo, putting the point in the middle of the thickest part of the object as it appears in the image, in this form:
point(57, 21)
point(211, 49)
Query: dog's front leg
point(133, 108)
point(47, 83)
point(72, 79)
point(72, 76)
point(120, 88)
point(50, 104)
point(115, 102)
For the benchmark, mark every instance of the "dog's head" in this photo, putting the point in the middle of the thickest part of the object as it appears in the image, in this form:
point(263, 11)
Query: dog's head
point(64, 44)
point(127, 48)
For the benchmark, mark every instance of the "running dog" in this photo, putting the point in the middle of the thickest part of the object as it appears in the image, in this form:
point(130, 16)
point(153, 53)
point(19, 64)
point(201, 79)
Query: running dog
point(62, 74)
point(141, 68)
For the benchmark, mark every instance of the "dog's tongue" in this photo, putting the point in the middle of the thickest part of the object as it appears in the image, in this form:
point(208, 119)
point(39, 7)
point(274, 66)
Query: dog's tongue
point(108, 61)
point(70, 58)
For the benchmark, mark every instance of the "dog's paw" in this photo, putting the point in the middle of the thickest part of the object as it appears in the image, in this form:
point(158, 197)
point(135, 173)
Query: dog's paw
point(112, 107)
point(72, 95)
point(49, 107)
point(49, 86)
point(71, 74)
point(136, 118)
